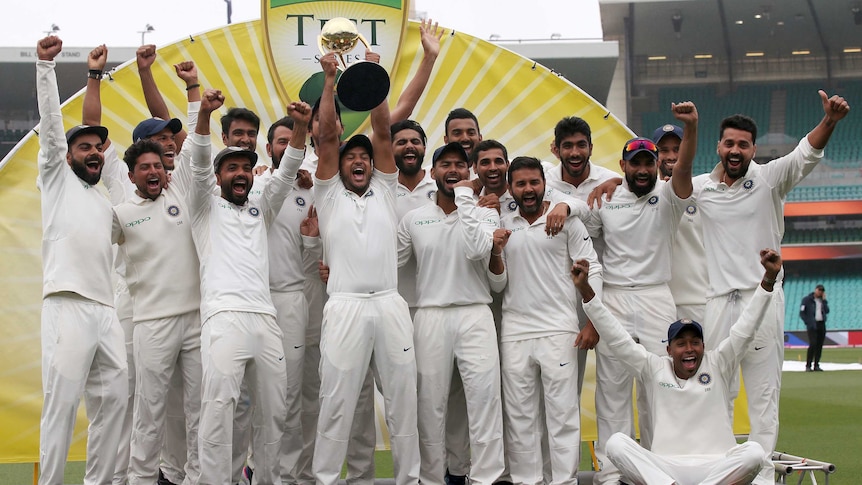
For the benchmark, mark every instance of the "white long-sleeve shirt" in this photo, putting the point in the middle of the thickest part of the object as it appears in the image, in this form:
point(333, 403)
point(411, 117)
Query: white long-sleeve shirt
point(76, 217)
point(231, 240)
point(359, 234)
point(539, 300)
point(452, 251)
point(638, 234)
point(688, 278)
point(405, 201)
point(689, 416)
point(740, 220)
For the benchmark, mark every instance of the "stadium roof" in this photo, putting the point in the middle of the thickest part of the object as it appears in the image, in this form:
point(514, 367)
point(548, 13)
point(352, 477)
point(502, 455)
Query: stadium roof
point(734, 29)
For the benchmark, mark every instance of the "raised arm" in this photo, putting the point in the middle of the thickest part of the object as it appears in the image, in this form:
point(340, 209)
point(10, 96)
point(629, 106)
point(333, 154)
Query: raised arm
point(52, 142)
point(188, 72)
point(92, 107)
point(681, 180)
point(276, 191)
point(430, 36)
point(327, 136)
point(834, 110)
point(381, 138)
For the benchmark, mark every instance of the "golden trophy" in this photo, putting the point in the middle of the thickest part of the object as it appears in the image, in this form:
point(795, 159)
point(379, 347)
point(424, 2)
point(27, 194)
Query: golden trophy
point(363, 85)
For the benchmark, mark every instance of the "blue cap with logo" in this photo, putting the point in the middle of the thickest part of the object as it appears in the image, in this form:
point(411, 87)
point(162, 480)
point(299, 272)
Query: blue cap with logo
point(665, 130)
point(451, 147)
point(683, 324)
point(152, 126)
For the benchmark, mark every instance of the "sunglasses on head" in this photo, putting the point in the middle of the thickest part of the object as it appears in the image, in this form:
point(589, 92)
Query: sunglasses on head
point(641, 144)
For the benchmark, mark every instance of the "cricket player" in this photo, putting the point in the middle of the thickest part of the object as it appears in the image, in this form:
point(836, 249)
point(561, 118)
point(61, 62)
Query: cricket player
point(240, 336)
point(688, 389)
point(162, 273)
point(82, 343)
point(453, 326)
point(540, 337)
point(365, 321)
point(638, 226)
point(742, 207)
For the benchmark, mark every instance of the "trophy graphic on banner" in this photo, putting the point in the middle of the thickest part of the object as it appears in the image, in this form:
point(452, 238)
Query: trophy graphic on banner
point(363, 85)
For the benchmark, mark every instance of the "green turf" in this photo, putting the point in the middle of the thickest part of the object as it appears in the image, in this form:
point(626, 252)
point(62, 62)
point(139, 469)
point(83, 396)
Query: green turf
point(821, 418)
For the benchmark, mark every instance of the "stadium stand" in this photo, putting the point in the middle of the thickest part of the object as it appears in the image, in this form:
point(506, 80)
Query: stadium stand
point(841, 291)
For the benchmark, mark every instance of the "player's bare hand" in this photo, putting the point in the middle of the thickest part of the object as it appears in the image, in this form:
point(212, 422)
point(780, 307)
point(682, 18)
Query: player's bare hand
point(259, 169)
point(555, 219)
point(607, 189)
point(187, 71)
point(310, 226)
point(372, 56)
point(145, 56)
point(323, 271)
point(300, 112)
point(836, 107)
point(501, 237)
point(430, 36)
point(490, 201)
point(329, 64)
point(211, 100)
point(97, 58)
point(580, 273)
point(685, 112)
point(465, 183)
point(587, 338)
point(771, 261)
point(304, 180)
point(48, 48)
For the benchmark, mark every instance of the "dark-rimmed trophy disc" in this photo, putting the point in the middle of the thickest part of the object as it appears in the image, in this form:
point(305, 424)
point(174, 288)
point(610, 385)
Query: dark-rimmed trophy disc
point(363, 86)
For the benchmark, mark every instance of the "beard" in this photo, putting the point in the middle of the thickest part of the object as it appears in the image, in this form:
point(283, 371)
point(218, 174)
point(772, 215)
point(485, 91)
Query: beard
point(412, 168)
point(638, 190)
point(79, 167)
point(228, 193)
point(534, 208)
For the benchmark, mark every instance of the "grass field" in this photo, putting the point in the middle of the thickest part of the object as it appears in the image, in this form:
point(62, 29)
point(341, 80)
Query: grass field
point(821, 418)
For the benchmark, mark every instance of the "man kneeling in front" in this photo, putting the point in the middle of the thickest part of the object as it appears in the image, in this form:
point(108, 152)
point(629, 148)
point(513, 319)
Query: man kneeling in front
point(688, 391)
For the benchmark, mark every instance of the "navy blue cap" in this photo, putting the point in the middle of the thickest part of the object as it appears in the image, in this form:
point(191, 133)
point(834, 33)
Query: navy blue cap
point(451, 147)
point(638, 145)
point(661, 131)
point(357, 141)
point(683, 324)
point(79, 130)
point(152, 126)
point(231, 151)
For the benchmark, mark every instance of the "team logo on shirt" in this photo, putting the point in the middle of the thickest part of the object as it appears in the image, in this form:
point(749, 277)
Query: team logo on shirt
point(691, 210)
point(512, 206)
point(254, 212)
point(705, 379)
point(173, 211)
point(748, 184)
point(300, 201)
point(653, 200)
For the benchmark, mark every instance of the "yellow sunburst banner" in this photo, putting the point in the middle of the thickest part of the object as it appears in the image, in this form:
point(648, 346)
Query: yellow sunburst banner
point(516, 101)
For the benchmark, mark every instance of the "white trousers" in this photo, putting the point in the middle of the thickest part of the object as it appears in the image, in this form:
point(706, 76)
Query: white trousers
point(761, 365)
point(532, 368)
point(646, 313)
point(642, 467)
point(460, 339)
point(123, 305)
point(175, 452)
point(237, 346)
point(165, 347)
point(361, 331)
point(82, 354)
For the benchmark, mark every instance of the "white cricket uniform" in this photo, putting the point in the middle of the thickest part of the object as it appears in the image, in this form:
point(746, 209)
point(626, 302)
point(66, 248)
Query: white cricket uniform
point(454, 325)
point(638, 233)
point(83, 352)
point(693, 440)
point(554, 179)
point(738, 222)
point(286, 282)
point(239, 336)
point(405, 201)
point(537, 348)
point(163, 276)
point(363, 435)
point(365, 321)
point(688, 277)
point(116, 174)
